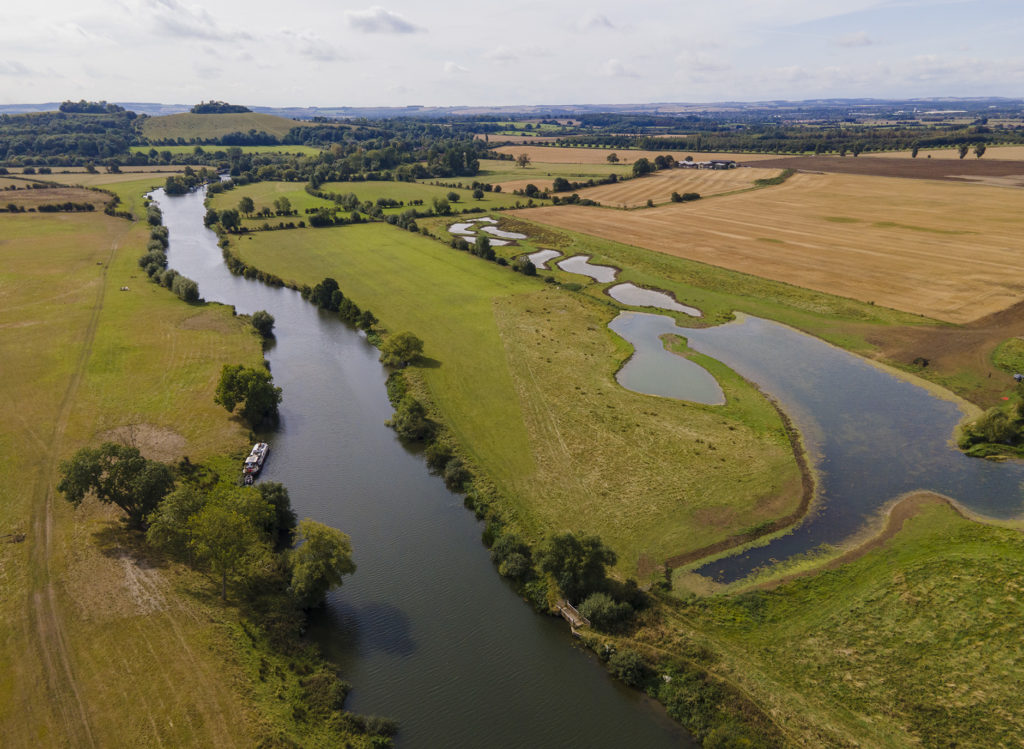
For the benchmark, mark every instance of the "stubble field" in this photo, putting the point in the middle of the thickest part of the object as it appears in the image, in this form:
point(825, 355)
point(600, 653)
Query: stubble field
point(659, 186)
point(946, 251)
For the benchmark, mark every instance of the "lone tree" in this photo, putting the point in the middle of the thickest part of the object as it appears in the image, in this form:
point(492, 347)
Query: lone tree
point(282, 205)
point(523, 160)
point(913, 152)
point(979, 150)
point(613, 158)
point(252, 388)
point(263, 321)
point(118, 475)
point(963, 149)
point(323, 555)
point(246, 206)
point(400, 349)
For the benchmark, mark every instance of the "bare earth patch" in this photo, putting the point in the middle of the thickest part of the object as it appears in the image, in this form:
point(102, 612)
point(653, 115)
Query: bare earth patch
point(154, 442)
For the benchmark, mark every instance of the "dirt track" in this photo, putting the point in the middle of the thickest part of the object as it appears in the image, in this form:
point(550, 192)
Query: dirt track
point(970, 169)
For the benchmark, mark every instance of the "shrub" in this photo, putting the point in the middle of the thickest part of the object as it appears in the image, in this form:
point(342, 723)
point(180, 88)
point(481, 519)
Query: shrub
point(628, 666)
point(263, 322)
point(604, 612)
point(456, 475)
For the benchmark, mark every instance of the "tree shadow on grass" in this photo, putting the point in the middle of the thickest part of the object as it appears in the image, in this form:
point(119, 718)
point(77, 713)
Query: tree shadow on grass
point(116, 541)
point(425, 362)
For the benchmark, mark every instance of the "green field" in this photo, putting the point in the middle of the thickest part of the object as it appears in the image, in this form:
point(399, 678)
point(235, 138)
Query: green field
point(264, 194)
point(210, 126)
point(567, 446)
point(426, 192)
point(918, 643)
point(498, 171)
point(178, 150)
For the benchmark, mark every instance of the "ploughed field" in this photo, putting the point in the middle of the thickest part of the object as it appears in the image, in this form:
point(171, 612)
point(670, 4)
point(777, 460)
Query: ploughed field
point(660, 185)
point(562, 155)
point(987, 170)
point(947, 251)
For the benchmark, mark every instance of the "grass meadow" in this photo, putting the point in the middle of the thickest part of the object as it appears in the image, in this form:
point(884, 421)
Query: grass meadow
point(102, 643)
point(568, 447)
point(209, 126)
point(917, 643)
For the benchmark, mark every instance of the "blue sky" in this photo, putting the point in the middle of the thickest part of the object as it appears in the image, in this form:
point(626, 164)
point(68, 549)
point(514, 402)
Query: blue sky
point(457, 52)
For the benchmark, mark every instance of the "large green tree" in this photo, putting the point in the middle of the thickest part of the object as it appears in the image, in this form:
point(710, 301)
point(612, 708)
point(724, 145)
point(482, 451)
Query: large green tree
point(119, 475)
point(250, 387)
point(577, 563)
point(400, 349)
point(323, 555)
point(223, 535)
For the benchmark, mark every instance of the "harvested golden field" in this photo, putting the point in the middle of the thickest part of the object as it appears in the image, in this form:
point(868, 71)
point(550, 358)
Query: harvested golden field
point(35, 197)
point(660, 185)
point(557, 155)
point(1003, 153)
point(949, 251)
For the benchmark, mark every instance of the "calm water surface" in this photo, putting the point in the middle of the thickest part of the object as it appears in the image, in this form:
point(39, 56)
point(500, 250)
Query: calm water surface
point(872, 436)
point(426, 630)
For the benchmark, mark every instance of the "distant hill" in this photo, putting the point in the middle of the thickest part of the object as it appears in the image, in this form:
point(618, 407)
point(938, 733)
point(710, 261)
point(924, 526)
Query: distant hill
point(212, 126)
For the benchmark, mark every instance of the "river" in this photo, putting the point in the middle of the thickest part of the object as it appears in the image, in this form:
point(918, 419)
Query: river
point(426, 630)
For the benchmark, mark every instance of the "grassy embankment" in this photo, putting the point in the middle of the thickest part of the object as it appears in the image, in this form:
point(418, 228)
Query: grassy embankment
point(211, 126)
point(103, 644)
point(917, 642)
point(567, 447)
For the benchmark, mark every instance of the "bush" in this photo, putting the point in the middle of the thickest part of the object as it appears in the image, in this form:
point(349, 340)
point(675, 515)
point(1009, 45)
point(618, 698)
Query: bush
point(437, 455)
point(410, 421)
point(456, 475)
point(604, 612)
point(628, 666)
point(263, 321)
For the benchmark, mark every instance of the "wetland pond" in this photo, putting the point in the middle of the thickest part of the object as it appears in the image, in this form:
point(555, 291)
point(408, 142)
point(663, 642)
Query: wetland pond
point(581, 264)
point(426, 630)
point(870, 434)
point(635, 296)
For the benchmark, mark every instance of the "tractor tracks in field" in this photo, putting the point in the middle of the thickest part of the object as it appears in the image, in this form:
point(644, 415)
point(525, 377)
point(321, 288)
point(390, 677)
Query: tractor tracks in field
point(47, 625)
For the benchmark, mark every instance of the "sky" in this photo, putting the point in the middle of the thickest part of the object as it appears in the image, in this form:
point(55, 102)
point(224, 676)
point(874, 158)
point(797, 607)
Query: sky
point(505, 52)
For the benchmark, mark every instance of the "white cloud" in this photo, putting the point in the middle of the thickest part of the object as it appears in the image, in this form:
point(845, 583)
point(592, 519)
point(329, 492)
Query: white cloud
point(450, 68)
point(377, 20)
point(596, 21)
point(855, 39)
point(14, 68)
point(309, 44)
point(187, 21)
point(501, 54)
point(615, 68)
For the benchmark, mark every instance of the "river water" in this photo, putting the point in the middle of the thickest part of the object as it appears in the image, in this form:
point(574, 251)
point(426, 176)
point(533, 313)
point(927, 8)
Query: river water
point(426, 630)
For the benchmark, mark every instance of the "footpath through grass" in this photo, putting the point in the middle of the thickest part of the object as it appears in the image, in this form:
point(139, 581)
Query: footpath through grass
point(523, 372)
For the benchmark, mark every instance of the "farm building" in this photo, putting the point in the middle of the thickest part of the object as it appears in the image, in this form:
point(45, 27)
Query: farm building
point(713, 164)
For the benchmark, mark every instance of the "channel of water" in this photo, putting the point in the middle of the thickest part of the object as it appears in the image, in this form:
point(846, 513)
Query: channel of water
point(425, 630)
